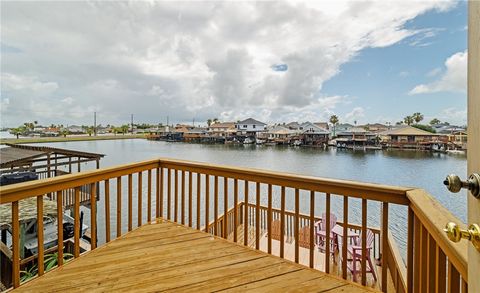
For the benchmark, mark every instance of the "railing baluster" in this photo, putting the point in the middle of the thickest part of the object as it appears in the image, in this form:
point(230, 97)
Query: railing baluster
point(215, 205)
point(344, 239)
point(364, 242)
point(235, 212)
point(139, 189)
point(76, 223)
point(93, 215)
point(312, 230)
point(453, 279)
point(160, 213)
point(199, 193)
point(130, 196)
point(40, 234)
point(175, 203)
point(60, 228)
point(417, 250)
point(107, 210)
point(225, 207)
point(246, 222)
point(423, 259)
point(15, 245)
point(282, 222)
point(269, 218)
point(119, 206)
point(190, 200)
point(327, 233)
point(410, 240)
point(149, 196)
point(257, 217)
point(384, 246)
point(183, 198)
point(431, 253)
point(440, 267)
point(296, 228)
point(159, 188)
point(169, 193)
point(207, 201)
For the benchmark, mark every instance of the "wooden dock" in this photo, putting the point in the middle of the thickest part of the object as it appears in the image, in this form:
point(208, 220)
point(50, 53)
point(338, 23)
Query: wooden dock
point(165, 256)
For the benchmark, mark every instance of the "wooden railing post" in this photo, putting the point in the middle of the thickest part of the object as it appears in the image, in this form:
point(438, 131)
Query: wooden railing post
point(384, 245)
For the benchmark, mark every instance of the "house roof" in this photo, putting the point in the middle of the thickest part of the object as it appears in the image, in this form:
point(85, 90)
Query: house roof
point(17, 153)
point(27, 211)
point(251, 121)
point(407, 130)
point(294, 125)
point(316, 129)
point(281, 130)
point(223, 125)
point(323, 125)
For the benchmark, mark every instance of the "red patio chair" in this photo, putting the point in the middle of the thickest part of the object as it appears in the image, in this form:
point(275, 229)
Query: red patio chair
point(355, 255)
point(321, 233)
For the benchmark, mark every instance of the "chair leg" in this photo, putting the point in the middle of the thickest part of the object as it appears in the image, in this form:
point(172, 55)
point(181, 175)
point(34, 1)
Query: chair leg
point(372, 270)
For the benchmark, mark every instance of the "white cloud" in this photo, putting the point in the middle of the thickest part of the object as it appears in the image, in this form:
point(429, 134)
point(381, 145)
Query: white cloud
point(356, 114)
point(454, 116)
point(188, 60)
point(453, 79)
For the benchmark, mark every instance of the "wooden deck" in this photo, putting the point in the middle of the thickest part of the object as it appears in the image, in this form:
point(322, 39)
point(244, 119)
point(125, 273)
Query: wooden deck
point(165, 256)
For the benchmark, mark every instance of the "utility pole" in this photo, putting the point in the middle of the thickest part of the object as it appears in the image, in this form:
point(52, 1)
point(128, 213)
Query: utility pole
point(193, 123)
point(167, 120)
point(131, 122)
point(94, 123)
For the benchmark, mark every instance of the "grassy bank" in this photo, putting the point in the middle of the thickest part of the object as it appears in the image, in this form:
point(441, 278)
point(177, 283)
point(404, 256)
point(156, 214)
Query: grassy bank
point(68, 138)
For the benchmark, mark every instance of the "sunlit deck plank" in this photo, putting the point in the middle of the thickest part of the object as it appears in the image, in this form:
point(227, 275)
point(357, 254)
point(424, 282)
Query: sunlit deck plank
point(167, 256)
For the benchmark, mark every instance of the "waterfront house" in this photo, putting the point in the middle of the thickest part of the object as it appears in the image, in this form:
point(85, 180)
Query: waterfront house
point(323, 125)
point(75, 129)
point(222, 129)
point(293, 125)
point(312, 134)
point(374, 127)
point(250, 127)
point(343, 127)
point(406, 136)
point(280, 134)
point(356, 137)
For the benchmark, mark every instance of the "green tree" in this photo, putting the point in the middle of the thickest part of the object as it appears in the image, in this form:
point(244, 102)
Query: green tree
point(334, 120)
point(18, 131)
point(435, 121)
point(417, 117)
point(124, 128)
point(408, 120)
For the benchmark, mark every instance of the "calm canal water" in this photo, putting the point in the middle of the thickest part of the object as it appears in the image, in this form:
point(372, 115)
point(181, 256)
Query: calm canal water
point(404, 168)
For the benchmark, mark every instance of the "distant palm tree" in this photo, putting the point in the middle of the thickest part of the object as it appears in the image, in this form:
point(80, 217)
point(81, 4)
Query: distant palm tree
point(18, 131)
point(408, 120)
point(334, 120)
point(209, 122)
point(417, 117)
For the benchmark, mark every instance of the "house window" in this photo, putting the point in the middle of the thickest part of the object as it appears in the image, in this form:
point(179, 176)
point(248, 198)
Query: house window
point(394, 138)
point(244, 126)
point(411, 138)
point(253, 125)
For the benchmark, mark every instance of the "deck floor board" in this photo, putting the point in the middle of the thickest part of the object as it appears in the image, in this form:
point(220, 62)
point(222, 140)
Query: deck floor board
point(165, 256)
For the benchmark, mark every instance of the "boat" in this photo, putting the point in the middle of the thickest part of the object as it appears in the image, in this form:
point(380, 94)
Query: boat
point(456, 152)
point(259, 141)
point(248, 140)
point(50, 232)
point(297, 143)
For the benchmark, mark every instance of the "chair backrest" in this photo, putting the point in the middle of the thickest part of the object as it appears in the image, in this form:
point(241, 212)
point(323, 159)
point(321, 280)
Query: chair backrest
point(333, 221)
point(370, 239)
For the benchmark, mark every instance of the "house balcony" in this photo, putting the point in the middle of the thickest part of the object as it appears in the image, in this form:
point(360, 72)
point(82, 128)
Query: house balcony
point(176, 225)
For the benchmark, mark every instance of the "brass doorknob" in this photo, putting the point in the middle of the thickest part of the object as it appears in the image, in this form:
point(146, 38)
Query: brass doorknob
point(455, 234)
point(455, 184)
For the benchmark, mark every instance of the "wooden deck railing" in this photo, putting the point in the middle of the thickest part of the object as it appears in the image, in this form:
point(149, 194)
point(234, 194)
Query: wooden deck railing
point(196, 194)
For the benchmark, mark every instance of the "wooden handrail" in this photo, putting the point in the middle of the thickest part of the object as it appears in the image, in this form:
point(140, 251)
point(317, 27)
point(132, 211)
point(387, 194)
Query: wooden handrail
point(19, 191)
point(434, 217)
point(371, 191)
point(425, 220)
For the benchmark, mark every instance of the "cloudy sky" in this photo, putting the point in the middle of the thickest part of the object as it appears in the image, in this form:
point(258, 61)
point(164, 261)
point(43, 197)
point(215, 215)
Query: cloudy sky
point(274, 61)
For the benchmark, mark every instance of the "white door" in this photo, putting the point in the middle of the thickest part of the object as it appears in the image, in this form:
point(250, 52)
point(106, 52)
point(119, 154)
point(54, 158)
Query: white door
point(473, 152)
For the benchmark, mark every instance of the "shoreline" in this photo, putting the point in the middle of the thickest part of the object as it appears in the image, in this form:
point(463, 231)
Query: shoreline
point(27, 140)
